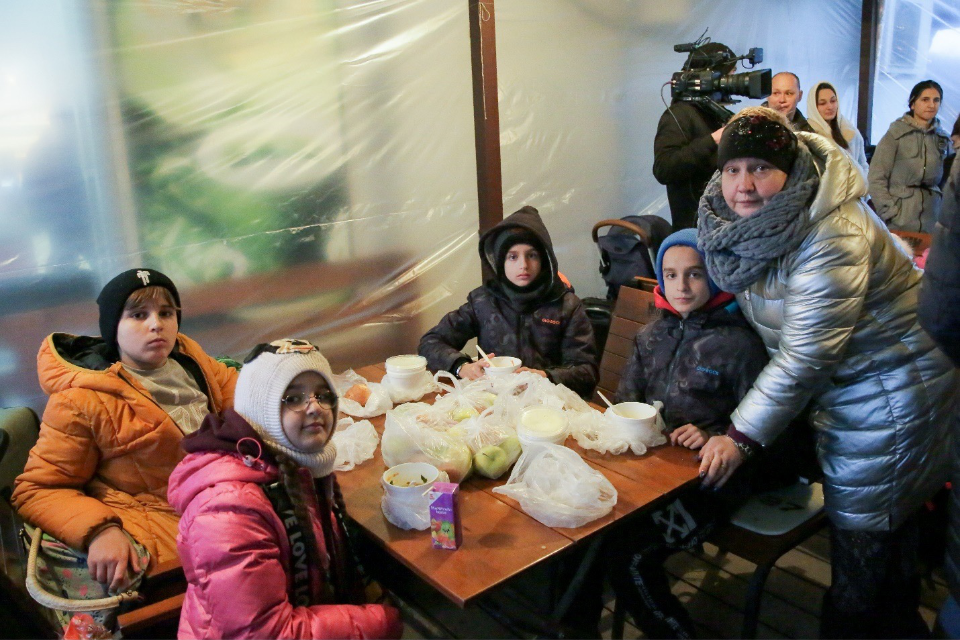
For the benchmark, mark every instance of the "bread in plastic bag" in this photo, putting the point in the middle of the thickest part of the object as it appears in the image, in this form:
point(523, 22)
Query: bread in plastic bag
point(356, 442)
point(599, 432)
point(555, 486)
point(416, 432)
point(378, 402)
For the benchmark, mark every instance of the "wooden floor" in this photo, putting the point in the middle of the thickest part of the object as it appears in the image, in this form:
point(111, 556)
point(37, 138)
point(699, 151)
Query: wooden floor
point(712, 587)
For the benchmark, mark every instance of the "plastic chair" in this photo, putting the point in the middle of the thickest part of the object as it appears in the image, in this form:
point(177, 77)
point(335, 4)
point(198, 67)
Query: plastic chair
point(762, 531)
point(20, 427)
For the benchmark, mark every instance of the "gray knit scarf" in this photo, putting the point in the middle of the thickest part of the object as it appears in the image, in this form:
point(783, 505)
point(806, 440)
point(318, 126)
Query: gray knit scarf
point(739, 250)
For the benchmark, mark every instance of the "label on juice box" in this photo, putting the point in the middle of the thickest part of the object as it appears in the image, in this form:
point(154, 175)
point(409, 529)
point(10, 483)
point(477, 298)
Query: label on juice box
point(445, 529)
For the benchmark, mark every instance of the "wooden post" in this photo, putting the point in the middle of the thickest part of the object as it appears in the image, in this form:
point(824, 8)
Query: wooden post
point(486, 112)
point(869, 31)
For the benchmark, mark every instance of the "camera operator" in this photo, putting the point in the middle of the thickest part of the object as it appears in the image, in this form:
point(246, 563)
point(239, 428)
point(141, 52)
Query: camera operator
point(685, 148)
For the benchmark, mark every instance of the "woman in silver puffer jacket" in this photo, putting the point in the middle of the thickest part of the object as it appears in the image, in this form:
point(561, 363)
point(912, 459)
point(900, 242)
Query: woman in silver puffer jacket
point(817, 274)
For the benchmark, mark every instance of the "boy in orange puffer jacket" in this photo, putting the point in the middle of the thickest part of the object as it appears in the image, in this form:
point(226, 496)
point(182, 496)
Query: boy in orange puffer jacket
point(119, 405)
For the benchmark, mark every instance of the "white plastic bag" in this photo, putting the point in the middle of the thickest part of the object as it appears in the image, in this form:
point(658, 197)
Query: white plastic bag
point(599, 432)
point(377, 404)
point(463, 399)
point(356, 443)
point(555, 486)
point(416, 432)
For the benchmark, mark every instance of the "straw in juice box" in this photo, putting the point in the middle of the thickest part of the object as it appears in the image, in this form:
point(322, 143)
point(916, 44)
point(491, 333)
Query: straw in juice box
point(445, 529)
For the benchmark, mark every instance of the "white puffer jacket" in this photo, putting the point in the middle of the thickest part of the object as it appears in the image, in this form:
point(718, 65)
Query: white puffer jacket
point(839, 318)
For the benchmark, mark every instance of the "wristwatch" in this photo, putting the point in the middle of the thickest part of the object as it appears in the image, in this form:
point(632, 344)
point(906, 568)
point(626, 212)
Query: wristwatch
point(746, 451)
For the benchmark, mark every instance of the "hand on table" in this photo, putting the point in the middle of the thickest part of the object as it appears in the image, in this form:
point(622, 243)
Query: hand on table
point(474, 370)
point(689, 436)
point(113, 559)
point(719, 458)
point(539, 372)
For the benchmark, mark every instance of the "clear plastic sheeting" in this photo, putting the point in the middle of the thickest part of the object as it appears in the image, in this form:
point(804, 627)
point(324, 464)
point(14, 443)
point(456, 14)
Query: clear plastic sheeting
point(919, 40)
point(298, 167)
point(580, 97)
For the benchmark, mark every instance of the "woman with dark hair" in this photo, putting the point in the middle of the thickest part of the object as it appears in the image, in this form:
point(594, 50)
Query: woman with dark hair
point(823, 114)
point(784, 226)
point(907, 166)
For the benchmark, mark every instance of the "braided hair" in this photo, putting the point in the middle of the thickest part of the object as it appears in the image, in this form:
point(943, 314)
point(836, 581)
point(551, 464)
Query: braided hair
point(343, 574)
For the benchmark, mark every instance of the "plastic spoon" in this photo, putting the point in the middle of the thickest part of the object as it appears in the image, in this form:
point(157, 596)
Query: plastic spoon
point(485, 356)
point(609, 404)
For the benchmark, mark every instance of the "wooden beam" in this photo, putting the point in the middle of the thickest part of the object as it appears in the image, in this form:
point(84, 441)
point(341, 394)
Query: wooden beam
point(869, 38)
point(486, 112)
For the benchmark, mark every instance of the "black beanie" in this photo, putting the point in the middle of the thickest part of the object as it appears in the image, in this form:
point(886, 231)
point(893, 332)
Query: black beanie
point(510, 238)
point(756, 136)
point(114, 296)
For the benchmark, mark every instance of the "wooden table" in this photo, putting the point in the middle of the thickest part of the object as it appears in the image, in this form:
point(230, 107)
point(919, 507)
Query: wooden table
point(500, 540)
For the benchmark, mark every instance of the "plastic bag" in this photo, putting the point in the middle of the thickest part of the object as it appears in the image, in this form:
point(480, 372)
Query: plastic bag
point(463, 399)
point(599, 432)
point(400, 395)
point(377, 404)
point(356, 443)
point(410, 511)
point(416, 432)
point(555, 486)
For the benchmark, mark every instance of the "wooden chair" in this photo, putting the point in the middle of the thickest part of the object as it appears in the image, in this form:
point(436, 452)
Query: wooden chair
point(743, 536)
point(645, 284)
point(634, 309)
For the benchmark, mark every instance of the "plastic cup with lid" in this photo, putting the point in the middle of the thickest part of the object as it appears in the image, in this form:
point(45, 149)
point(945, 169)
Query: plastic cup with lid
point(406, 372)
point(540, 424)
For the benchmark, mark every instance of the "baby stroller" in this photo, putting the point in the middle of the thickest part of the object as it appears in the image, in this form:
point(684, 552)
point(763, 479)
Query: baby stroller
point(627, 250)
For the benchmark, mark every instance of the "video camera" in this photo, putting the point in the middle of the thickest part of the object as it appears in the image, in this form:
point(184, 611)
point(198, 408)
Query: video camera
point(706, 79)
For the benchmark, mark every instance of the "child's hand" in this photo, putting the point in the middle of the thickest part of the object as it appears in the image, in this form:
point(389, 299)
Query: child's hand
point(539, 372)
point(113, 559)
point(689, 436)
point(473, 370)
point(719, 458)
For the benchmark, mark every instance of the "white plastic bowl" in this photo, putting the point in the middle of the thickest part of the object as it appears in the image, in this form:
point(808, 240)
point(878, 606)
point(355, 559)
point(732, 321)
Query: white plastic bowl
point(502, 365)
point(409, 472)
point(541, 425)
point(635, 419)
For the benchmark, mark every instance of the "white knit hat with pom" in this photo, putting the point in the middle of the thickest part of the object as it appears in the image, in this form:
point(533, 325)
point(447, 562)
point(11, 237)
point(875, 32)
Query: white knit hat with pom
point(262, 382)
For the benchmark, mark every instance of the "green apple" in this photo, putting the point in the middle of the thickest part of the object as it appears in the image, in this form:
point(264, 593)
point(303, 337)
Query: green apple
point(512, 447)
point(464, 413)
point(486, 399)
point(491, 461)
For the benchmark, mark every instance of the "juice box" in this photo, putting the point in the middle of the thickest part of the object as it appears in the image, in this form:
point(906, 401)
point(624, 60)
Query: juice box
point(445, 529)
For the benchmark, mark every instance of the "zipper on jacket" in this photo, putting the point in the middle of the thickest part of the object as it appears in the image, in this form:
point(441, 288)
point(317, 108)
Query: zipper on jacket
point(673, 362)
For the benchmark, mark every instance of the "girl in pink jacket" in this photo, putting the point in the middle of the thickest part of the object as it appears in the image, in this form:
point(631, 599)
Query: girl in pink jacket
point(261, 537)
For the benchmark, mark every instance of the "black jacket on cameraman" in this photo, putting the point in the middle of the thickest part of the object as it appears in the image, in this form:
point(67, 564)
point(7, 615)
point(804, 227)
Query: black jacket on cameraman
point(684, 158)
point(547, 328)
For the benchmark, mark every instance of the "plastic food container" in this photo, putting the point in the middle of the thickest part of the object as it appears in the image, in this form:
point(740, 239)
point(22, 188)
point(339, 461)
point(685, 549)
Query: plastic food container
point(636, 420)
point(502, 365)
point(405, 373)
point(541, 425)
point(409, 479)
